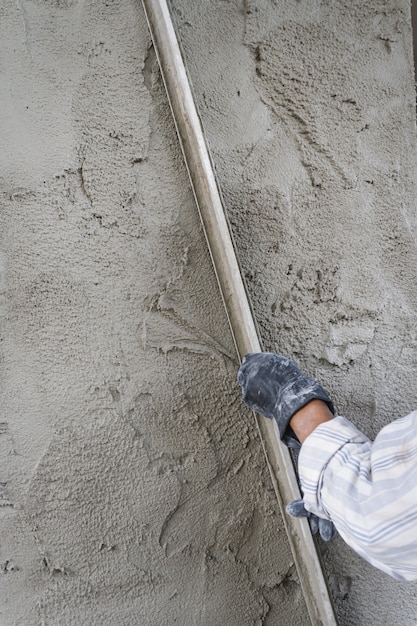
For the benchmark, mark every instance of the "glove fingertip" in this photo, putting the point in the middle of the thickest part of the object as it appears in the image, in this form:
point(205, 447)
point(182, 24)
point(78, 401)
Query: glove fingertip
point(296, 509)
point(327, 529)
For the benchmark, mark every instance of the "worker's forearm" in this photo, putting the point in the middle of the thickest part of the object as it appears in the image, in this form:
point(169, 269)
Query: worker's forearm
point(367, 489)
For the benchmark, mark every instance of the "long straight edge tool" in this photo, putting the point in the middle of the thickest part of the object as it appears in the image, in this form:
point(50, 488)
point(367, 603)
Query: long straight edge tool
point(242, 324)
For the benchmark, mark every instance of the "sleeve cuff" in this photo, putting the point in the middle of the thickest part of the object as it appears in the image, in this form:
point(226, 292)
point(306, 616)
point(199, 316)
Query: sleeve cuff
point(316, 453)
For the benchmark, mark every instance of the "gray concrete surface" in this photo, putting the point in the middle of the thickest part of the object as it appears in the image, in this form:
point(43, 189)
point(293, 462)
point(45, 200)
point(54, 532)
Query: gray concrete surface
point(134, 490)
point(311, 121)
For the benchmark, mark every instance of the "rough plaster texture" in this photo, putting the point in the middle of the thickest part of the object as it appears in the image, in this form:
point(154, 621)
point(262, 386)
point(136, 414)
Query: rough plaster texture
point(134, 490)
point(311, 122)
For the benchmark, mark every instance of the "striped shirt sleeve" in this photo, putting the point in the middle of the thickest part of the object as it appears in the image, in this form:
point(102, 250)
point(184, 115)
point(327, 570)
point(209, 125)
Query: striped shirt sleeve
point(368, 490)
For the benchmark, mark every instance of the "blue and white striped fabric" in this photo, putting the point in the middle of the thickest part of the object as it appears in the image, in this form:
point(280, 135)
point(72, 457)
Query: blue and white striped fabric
point(368, 490)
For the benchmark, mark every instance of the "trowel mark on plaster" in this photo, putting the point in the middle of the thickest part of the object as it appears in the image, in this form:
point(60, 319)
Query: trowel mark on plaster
point(198, 476)
point(312, 151)
point(85, 471)
point(167, 540)
point(169, 331)
point(348, 341)
point(288, 66)
point(71, 198)
point(166, 329)
point(311, 302)
point(306, 286)
point(187, 513)
point(150, 71)
point(84, 185)
point(112, 137)
point(177, 531)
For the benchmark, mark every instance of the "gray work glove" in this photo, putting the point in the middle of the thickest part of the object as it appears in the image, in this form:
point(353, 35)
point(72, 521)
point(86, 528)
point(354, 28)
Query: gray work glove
point(275, 387)
point(324, 527)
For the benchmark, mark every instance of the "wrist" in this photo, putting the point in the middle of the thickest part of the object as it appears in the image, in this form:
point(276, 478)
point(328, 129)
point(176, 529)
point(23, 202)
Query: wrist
point(306, 419)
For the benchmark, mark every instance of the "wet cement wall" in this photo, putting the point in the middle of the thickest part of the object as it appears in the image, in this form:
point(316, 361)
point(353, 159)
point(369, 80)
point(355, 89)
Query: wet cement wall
point(311, 121)
point(134, 490)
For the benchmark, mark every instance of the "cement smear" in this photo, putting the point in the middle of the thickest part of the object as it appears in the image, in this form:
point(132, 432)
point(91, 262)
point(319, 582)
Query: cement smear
point(309, 108)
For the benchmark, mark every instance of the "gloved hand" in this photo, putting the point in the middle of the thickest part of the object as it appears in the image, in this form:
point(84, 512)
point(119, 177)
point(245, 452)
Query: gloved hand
point(325, 527)
point(275, 387)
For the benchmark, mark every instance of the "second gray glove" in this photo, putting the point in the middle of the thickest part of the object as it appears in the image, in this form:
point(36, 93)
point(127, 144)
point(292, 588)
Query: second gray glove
point(324, 527)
